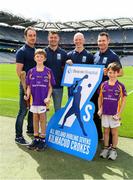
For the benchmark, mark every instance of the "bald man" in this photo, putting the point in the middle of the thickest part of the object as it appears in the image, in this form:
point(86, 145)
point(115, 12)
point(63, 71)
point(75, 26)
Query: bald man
point(79, 55)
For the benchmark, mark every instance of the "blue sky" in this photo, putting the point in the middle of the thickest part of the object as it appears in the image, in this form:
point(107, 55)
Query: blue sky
point(69, 10)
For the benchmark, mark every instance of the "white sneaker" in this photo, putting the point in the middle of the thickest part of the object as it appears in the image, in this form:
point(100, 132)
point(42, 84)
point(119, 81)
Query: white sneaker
point(112, 154)
point(104, 153)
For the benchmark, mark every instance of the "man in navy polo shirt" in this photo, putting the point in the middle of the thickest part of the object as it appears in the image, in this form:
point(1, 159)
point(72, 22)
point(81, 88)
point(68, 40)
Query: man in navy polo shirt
point(79, 55)
point(24, 62)
point(104, 56)
point(56, 59)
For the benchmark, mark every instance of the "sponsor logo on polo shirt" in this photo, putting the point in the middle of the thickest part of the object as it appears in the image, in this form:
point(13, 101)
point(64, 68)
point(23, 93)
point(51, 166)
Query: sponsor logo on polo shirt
point(58, 56)
point(84, 59)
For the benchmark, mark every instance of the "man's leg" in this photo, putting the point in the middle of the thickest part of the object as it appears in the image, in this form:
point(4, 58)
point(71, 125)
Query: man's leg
point(57, 98)
point(97, 120)
point(21, 114)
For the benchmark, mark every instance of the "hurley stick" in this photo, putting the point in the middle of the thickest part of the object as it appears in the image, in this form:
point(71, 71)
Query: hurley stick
point(23, 82)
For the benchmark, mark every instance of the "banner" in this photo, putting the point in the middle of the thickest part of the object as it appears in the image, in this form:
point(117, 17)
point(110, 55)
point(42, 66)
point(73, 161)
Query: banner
point(72, 129)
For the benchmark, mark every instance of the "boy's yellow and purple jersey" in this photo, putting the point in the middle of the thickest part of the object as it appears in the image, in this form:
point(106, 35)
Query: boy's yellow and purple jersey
point(39, 84)
point(112, 95)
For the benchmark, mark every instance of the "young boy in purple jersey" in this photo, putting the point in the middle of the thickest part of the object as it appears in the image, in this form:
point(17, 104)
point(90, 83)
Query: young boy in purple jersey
point(111, 103)
point(39, 82)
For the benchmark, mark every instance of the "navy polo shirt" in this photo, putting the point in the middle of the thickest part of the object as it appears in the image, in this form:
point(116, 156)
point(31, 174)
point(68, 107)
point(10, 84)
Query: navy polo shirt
point(106, 58)
point(83, 57)
point(25, 56)
point(56, 61)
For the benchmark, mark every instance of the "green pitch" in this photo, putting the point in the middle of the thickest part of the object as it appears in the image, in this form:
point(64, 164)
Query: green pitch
point(9, 84)
point(19, 163)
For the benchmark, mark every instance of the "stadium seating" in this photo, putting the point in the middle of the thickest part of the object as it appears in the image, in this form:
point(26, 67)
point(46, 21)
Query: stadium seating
point(10, 33)
point(127, 60)
point(6, 57)
point(117, 36)
point(12, 38)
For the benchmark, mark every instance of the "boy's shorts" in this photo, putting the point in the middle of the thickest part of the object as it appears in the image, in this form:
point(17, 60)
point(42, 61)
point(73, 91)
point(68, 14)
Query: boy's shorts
point(109, 122)
point(38, 109)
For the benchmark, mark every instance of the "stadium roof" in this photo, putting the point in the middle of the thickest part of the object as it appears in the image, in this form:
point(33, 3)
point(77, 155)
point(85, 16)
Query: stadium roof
point(8, 19)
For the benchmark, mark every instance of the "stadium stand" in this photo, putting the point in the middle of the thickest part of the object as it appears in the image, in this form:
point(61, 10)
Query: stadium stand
point(6, 57)
point(120, 31)
point(128, 36)
point(12, 34)
point(127, 60)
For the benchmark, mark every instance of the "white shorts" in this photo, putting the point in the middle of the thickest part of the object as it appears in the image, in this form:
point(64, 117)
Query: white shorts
point(38, 109)
point(109, 122)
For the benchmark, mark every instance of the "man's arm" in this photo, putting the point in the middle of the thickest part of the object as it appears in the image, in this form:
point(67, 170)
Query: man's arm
point(28, 93)
point(19, 68)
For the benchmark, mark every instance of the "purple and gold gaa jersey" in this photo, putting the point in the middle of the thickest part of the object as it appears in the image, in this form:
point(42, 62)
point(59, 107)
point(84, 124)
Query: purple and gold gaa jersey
point(112, 97)
point(39, 84)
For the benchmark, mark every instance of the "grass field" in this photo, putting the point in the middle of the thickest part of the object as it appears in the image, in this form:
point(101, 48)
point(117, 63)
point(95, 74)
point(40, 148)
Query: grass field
point(9, 96)
point(19, 163)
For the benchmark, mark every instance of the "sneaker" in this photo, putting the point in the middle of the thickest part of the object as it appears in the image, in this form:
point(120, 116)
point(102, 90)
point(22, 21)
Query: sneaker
point(34, 144)
point(112, 154)
point(22, 141)
point(104, 153)
point(41, 145)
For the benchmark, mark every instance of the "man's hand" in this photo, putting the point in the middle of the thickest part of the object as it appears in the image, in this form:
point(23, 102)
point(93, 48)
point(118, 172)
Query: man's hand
point(99, 112)
point(26, 97)
point(69, 61)
point(105, 71)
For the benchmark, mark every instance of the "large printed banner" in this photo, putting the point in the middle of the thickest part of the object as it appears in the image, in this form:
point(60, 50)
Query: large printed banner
point(72, 129)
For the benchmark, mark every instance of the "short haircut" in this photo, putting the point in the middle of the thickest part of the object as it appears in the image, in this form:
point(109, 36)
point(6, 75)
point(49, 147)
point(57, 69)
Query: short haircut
point(79, 34)
point(104, 34)
point(114, 67)
point(27, 29)
point(40, 51)
point(53, 32)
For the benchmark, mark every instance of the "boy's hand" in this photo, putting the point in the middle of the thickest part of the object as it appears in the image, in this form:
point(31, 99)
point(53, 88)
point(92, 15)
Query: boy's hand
point(99, 112)
point(116, 117)
point(47, 101)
